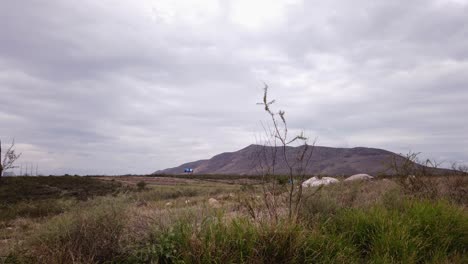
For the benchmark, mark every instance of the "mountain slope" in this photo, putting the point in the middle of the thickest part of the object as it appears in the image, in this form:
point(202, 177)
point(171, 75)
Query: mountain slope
point(324, 160)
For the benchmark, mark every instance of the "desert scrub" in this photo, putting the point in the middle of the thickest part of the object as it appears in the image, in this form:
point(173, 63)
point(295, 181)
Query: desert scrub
point(91, 233)
point(17, 189)
point(413, 232)
point(391, 228)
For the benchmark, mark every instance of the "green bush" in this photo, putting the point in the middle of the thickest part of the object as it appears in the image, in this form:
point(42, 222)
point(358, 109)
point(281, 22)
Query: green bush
point(282, 180)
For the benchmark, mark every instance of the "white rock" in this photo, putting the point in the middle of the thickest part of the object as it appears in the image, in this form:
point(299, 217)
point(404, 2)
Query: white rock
point(314, 181)
point(359, 177)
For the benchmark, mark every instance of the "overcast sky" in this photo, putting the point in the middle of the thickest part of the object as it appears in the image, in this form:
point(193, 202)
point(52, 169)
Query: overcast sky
point(115, 87)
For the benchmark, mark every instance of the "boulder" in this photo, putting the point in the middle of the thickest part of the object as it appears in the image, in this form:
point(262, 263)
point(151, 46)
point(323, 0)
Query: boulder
point(314, 181)
point(359, 177)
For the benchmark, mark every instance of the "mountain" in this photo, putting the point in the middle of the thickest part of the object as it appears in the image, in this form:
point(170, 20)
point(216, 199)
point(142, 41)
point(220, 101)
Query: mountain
point(324, 160)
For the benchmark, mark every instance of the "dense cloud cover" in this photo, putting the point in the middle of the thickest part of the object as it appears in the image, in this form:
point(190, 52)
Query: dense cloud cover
point(134, 86)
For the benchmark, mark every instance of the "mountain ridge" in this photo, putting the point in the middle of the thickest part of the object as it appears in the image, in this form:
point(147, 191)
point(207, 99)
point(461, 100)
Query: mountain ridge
point(324, 160)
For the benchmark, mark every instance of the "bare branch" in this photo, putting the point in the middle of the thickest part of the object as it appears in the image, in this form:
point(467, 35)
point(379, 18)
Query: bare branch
point(9, 158)
point(277, 136)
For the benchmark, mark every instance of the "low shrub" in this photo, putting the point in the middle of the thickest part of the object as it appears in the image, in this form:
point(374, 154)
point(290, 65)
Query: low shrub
point(89, 234)
point(141, 185)
point(282, 180)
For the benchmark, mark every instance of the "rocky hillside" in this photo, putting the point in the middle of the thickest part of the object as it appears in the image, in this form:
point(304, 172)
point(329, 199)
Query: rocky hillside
point(324, 160)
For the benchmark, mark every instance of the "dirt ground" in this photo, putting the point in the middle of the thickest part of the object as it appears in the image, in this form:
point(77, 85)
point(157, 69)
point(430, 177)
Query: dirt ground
point(133, 180)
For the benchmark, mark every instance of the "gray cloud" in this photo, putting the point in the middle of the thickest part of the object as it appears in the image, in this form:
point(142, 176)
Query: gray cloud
point(119, 87)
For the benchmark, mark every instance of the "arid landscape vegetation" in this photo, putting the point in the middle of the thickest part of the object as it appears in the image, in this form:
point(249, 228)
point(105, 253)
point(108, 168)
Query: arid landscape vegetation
point(233, 131)
point(257, 205)
point(281, 202)
point(223, 219)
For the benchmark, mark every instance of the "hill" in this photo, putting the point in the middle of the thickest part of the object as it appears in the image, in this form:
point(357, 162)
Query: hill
point(324, 160)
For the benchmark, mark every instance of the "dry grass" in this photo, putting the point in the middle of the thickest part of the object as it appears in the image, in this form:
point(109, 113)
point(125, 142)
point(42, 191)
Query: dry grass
point(453, 188)
point(176, 223)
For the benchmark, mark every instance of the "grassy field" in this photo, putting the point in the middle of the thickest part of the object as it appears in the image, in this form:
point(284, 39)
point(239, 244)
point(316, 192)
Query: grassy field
point(222, 219)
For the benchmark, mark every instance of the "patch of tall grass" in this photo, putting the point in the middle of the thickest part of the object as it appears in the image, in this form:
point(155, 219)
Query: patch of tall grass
point(416, 232)
point(89, 234)
point(35, 209)
point(218, 241)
